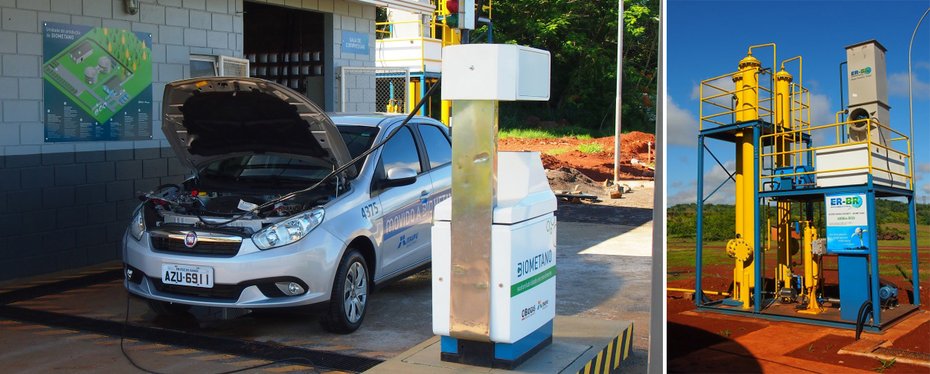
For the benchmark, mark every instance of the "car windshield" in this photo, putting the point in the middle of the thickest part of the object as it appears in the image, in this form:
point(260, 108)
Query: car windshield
point(265, 167)
point(358, 139)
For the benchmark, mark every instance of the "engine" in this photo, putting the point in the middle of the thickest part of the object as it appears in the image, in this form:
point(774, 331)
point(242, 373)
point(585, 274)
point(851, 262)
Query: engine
point(189, 205)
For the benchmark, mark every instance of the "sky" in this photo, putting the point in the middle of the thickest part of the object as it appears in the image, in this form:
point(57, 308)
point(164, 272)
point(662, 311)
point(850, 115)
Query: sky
point(708, 38)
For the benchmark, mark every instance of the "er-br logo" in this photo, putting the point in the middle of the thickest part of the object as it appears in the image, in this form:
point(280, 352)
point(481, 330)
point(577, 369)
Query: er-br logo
point(861, 72)
point(190, 240)
point(853, 201)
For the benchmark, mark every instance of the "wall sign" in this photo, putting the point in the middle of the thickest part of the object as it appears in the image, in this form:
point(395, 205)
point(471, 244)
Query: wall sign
point(354, 42)
point(98, 83)
point(847, 221)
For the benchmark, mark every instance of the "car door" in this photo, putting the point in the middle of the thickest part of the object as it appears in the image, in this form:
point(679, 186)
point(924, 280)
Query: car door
point(405, 223)
point(438, 147)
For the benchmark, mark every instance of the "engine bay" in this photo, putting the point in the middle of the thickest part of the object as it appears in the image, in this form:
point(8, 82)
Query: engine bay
point(202, 205)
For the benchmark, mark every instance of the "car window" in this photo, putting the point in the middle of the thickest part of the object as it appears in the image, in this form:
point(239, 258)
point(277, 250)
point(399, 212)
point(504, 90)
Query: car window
point(437, 145)
point(358, 138)
point(401, 151)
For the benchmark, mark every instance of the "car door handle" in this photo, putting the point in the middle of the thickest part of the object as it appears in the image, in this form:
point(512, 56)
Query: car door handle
point(424, 197)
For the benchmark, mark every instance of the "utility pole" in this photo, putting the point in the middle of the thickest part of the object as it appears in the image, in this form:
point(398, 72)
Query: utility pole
point(619, 107)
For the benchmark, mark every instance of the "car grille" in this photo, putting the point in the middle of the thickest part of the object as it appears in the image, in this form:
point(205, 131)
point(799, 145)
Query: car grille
point(173, 242)
point(219, 291)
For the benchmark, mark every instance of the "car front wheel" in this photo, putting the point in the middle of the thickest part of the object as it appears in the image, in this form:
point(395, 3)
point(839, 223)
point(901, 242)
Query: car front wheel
point(349, 299)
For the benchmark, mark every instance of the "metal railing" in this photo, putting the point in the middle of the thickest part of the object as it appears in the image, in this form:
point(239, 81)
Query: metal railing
point(721, 101)
point(801, 153)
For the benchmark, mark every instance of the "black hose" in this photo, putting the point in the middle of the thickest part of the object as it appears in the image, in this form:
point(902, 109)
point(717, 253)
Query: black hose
point(864, 312)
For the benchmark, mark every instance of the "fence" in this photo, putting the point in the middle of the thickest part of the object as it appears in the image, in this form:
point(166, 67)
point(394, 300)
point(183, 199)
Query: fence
point(373, 89)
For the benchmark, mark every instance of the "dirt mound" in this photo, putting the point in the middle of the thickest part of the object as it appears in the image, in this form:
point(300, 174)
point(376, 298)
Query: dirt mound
point(598, 162)
point(569, 180)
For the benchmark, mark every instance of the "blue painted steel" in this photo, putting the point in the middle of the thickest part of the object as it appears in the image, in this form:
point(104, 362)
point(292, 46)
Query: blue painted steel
point(854, 284)
point(915, 273)
point(873, 256)
point(729, 174)
point(512, 351)
point(423, 92)
point(851, 252)
point(699, 242)
point(757, 245)
point(448, 344)
point(505, 351)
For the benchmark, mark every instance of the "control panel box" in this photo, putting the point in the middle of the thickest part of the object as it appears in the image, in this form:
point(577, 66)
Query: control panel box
point(502, 72)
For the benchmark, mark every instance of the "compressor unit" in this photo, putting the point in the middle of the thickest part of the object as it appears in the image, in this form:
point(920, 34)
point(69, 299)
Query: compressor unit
point(806, 193)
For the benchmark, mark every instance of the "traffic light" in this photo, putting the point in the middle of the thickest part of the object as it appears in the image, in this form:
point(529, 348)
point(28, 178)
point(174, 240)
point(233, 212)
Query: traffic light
point(452, 19)
point(461, 14)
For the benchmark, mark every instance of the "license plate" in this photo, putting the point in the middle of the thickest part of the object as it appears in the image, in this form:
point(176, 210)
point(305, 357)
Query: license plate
point(187, 275)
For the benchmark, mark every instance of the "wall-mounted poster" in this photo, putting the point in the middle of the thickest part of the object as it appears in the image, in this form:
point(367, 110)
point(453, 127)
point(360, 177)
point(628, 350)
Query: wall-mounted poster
point(98, 83)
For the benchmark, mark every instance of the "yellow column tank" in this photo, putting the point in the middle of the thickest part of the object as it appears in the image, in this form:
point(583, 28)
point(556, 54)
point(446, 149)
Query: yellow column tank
point(783, 143)
point(746, 82)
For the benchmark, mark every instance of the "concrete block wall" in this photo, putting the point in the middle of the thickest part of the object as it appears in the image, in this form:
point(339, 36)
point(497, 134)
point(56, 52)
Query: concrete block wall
point(66, 205)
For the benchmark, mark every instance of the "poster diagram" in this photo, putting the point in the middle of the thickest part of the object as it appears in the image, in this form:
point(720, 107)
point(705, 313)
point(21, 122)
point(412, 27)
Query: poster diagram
point(98, 83)
point(847, 221)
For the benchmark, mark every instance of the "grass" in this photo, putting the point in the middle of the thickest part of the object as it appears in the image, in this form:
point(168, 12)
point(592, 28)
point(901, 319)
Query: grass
point(885, 364)
point(524, 133)
point(680, 253)
point(923, 235)
point(556, 152)
point(590, 148)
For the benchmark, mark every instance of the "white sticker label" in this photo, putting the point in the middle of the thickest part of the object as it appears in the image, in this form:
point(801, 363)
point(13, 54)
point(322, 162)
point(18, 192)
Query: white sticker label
point(247, 206)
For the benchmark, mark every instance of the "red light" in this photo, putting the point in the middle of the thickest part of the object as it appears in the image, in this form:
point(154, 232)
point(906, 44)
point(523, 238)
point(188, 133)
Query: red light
point(452, 6)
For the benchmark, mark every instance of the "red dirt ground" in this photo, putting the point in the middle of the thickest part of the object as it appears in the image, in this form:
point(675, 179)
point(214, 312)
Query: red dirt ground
point(597, 166)
point(704, 332)
point(825, 350)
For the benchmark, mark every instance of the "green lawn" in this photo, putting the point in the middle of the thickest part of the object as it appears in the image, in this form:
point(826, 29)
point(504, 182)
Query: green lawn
point(680, 253)
point(524, 133)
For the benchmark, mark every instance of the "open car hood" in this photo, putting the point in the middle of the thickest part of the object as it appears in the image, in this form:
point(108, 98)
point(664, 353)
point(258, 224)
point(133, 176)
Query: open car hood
point(208, 119)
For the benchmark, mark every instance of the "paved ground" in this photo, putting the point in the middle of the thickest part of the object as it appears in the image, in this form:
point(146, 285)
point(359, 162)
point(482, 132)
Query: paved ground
point(603, 274)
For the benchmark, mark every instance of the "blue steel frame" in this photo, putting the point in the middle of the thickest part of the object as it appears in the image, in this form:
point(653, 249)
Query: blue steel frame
point(869, 189)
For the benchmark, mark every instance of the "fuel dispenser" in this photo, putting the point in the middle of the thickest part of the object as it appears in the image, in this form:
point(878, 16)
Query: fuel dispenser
point(493, 242)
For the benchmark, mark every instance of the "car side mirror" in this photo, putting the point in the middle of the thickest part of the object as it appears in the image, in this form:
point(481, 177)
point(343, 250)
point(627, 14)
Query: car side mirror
point(399, 176)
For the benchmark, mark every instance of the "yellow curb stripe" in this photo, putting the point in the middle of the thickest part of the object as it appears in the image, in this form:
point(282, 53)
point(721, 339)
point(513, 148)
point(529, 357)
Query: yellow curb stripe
point(629, 343)
point(607, 355)
point(617, 351)
point(215, 357)
point(27, 327)
point(56, 332)
point(248, 362)
point(145, 347)
point(86, 337)
point(178, 352)
point(288, 369)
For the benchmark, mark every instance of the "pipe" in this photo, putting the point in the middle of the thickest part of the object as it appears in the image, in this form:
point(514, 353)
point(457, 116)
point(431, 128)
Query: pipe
point(910, 98)
point(862, 316)
point(842, 102)
point(719, 293)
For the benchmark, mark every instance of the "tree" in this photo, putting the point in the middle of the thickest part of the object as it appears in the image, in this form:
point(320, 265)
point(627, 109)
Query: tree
point(582, 39)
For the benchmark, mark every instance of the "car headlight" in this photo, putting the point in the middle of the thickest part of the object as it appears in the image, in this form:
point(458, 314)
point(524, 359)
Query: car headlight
point(137, 226)
point(288, 231)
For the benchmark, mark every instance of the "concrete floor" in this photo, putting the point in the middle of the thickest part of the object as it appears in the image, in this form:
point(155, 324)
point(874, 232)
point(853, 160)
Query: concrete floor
point(603, 274)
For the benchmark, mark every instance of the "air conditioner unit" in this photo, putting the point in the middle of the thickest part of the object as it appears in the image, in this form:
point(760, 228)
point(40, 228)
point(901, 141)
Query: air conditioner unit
point(233, 66)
